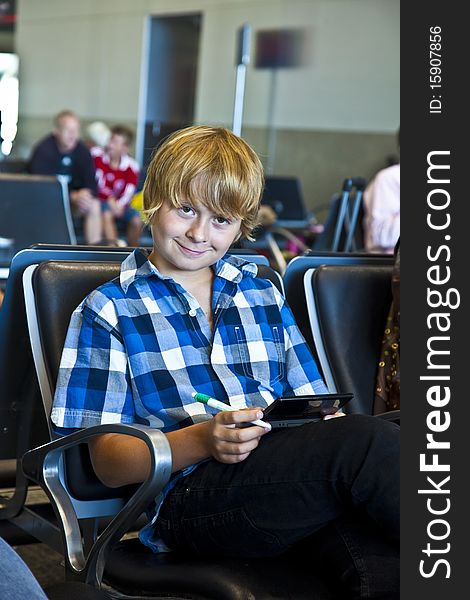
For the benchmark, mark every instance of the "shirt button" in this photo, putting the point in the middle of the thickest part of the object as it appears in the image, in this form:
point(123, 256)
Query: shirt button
point(192, 312)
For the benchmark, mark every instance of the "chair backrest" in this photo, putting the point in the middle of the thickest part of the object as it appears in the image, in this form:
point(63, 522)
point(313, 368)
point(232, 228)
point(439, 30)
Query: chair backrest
point(18, 166)
point(53, 289)
point(59, 286)
point(24, 424)
point(35, 208)
point(348, 307)
point(274, 277)
point(19, 393)
point(294, 279)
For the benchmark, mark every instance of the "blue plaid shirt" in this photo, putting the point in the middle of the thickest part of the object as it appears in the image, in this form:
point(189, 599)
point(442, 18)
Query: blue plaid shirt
point(139, 346)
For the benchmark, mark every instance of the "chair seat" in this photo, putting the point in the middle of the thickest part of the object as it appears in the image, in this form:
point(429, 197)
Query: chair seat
point(134, 569)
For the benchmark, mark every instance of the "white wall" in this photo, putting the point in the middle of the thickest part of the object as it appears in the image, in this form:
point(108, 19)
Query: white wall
point(86, 56)
point(351, 81)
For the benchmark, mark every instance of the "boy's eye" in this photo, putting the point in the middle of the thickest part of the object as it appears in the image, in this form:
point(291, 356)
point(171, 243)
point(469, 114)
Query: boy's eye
point(187, 210)
point(222, 220)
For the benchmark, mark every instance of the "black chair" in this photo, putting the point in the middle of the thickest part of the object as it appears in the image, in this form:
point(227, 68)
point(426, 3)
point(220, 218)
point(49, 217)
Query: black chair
point(294, 280)
point(24, 425)
point(65, 473)
point(17, 166)
point(347, 307)
point(34, 208)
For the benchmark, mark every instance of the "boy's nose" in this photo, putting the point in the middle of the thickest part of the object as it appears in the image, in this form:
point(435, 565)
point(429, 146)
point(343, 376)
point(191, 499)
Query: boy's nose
point(198, 231)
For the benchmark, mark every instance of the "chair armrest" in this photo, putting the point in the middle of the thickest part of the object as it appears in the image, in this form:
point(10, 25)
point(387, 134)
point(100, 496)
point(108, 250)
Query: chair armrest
point(45, 465)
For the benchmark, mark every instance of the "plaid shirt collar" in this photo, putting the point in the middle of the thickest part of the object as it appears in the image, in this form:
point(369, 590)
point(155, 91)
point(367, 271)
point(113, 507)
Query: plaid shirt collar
point(137, 265)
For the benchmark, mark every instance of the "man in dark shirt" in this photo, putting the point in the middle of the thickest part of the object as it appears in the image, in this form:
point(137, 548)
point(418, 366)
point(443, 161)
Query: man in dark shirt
point(62, 153)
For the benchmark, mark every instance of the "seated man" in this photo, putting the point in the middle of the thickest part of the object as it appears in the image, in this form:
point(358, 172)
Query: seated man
point(62, 153)
point(117, 175)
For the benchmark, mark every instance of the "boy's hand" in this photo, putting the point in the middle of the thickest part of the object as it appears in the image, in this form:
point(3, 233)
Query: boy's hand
point(229, 440)
point(331, 413)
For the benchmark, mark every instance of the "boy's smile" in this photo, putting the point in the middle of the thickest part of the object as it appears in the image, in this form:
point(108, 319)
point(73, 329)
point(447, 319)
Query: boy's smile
point(190, 238)
point(190, 251)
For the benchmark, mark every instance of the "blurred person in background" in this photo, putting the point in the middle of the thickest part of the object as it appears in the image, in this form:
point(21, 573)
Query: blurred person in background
point(382, 210)
point(117, 174)
point(97, 134)
point(63, 153)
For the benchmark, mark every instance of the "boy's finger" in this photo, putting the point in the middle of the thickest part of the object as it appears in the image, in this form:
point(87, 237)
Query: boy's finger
point(334, 416)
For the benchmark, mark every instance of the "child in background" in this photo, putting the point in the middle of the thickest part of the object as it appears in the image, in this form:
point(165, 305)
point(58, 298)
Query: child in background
point(117, 175)
point(189, 318)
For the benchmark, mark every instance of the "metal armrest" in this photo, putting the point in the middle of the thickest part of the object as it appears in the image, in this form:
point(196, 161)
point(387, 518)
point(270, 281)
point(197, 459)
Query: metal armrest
point(44, 465)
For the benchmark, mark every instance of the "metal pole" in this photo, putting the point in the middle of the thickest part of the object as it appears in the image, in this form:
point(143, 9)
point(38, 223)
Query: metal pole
point(272, 132)
point(243, 59)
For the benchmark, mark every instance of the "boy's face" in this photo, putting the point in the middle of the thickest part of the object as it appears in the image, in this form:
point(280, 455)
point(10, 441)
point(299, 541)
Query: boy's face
point(190, 238)
point(117, 146)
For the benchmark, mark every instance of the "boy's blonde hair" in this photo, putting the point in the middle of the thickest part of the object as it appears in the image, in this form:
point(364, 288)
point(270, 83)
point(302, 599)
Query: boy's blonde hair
point(210, 165)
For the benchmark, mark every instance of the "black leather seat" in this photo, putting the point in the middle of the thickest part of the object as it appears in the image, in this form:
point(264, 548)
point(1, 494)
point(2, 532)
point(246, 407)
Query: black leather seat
point(348, 307)
point(126, 565)
point(294, 280)
point(291, 576)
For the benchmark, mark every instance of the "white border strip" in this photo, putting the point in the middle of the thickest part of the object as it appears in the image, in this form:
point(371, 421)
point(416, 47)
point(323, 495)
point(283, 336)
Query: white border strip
point(316, 332)
point(66, 202)
point(35, 340)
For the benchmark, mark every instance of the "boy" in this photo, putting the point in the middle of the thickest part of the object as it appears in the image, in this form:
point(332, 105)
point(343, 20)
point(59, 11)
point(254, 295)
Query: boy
point(189, 319)
point(117, 175)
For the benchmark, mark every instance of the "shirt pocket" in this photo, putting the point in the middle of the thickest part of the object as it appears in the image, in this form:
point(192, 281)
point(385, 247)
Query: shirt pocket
point(260, 353)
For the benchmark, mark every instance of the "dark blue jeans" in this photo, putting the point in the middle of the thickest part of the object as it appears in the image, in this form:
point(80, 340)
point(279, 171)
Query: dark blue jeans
point(332, 485)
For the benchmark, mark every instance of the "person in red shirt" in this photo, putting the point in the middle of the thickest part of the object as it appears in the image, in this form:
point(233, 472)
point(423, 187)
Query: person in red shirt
point(117, 175)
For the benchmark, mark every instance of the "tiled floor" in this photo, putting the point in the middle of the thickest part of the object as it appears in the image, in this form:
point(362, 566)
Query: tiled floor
point(45, 564)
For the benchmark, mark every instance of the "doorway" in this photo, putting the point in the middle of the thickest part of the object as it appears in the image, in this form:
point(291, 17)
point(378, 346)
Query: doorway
point(168, 80)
